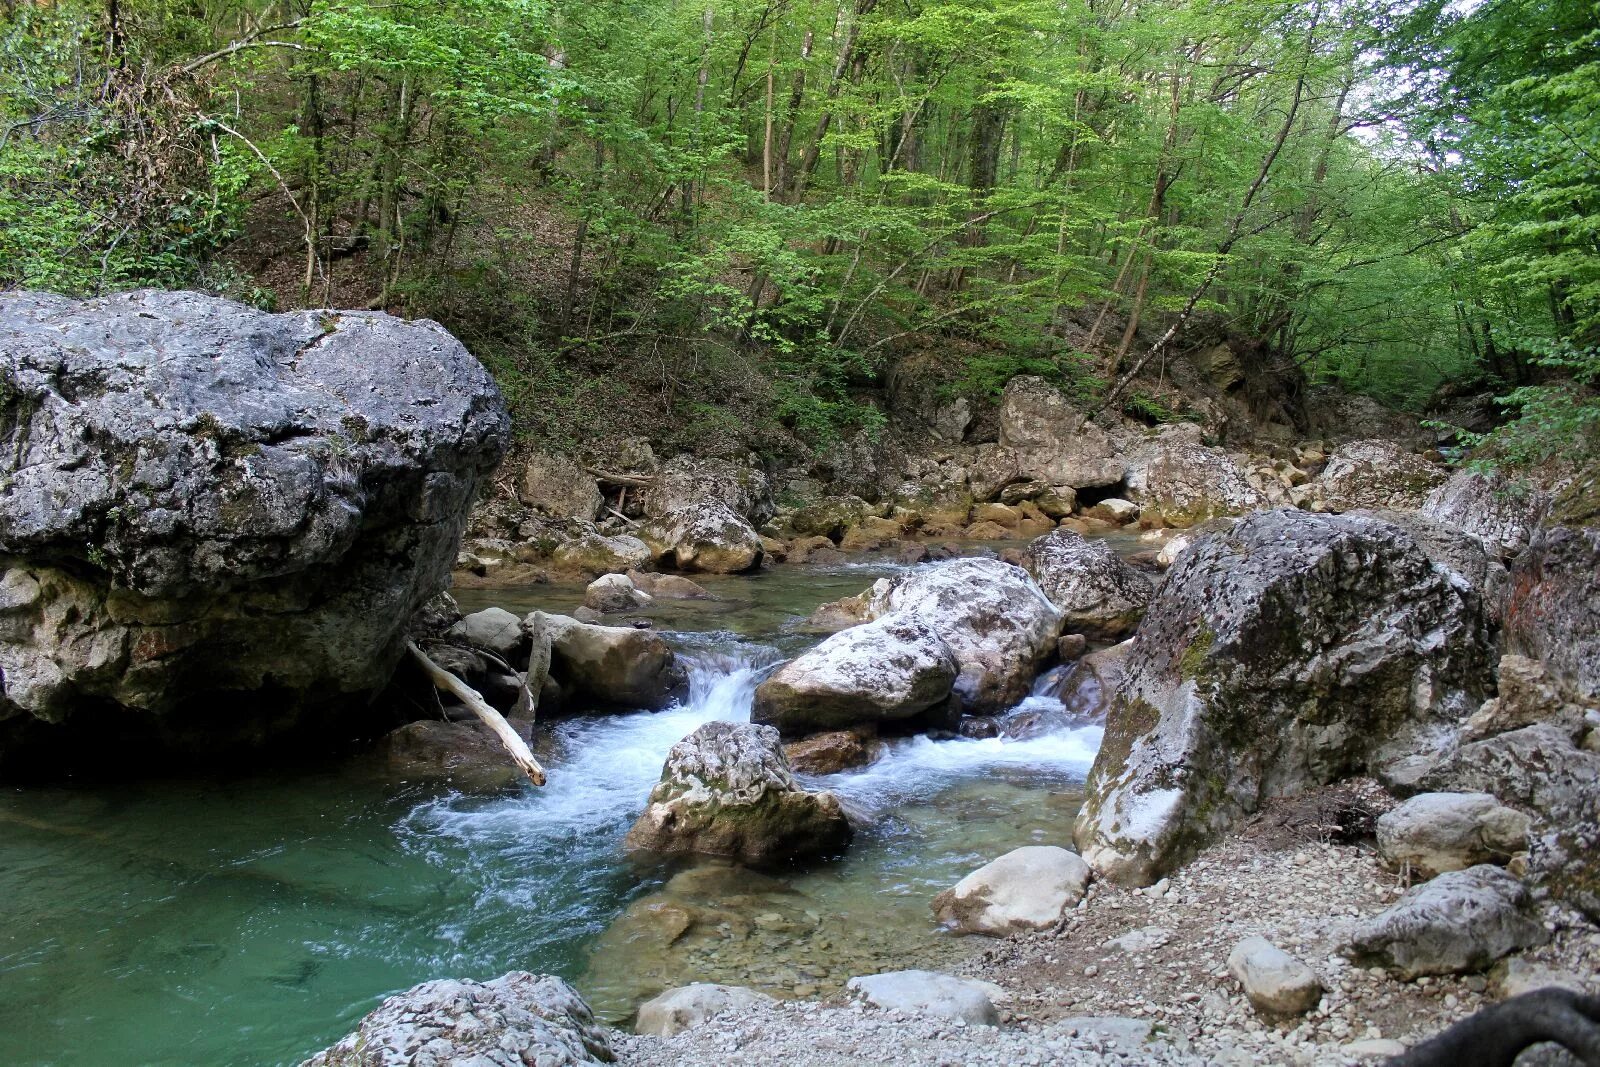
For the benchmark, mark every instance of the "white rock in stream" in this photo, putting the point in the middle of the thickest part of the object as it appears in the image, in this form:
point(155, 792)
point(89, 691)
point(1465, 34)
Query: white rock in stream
point(689, 1006)
point(888, 670)
point(1275, 982)
point(930, 993)
point(1029, 888)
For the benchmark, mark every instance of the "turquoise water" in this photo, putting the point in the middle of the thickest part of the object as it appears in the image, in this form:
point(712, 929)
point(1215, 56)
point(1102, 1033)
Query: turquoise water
point(253, 920)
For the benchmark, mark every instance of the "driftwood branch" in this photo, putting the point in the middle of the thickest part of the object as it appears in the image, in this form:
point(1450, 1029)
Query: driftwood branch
point(513, 742)
point(607, 478)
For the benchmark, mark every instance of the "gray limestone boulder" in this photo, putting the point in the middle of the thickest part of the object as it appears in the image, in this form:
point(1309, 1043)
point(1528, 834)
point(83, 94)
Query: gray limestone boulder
point(1436, 832)
point(1177, 478)
point(1049, 439)
point(1098, 595)
point(1292, 651)
point(512, 1021)
point(215, 522)
point(890, 670)
point(1501, 511)
point(1459, 922)
point(557, 486)
point(929, 993)
point(1377, 474)
point(1274, 982)
point(1027, 889)
point(611, 667)
point(684, 481)
point(727, 790)
point(706, 536)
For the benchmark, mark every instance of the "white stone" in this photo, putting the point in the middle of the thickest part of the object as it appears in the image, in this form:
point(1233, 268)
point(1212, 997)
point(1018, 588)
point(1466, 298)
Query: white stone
point(689, 1006)
point(929, 993)
point(1436, 832)
point(1275, 982)
point(1029, 888)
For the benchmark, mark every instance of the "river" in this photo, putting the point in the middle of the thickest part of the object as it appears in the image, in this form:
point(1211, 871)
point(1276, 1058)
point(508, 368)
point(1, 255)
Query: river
point(253, 920)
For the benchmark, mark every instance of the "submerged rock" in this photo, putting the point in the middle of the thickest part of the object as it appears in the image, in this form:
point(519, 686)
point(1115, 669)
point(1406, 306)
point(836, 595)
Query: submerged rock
point(215, 522)
point(1099, 596)
point(1461, 921)
point(890, 670)
point(612, 666)
point(690, 1006)
point(512, 1021)
point(1029, 888)
point(705, 536)
point(1291, 652)
point(727, 790)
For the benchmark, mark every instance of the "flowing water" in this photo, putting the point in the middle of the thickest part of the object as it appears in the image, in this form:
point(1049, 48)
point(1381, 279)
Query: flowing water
point(253, 920)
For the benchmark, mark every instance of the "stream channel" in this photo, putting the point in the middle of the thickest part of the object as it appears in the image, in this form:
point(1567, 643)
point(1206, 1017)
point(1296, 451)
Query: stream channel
point(255, 919)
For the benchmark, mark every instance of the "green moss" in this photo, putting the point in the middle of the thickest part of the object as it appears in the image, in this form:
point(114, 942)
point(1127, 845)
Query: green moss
point(1194, 657)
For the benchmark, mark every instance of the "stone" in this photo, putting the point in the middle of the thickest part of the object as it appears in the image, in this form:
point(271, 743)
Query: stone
point(610, 667)
point(465, 753)
point(1374, 1048)
point(1180, 542)
point(1029, 888)
point(1457, 551)
point(992, 615)
point(1436, 832)
point(1461, 921)
point(668, 586)
point(556, 485)
point(1293, 651)
point(1514, 976)
point(218, 522)
point(1178, 480)
point(1113, 509)
point(690, 1006)
point(1099, 595)
point(727, 790)
point(1501, 511)
point(592, 553)
point(1527, 696)
point(1274, 982)
point(1052, 440)
point(686, 481)
point(1120, 1033)
point(493, 630)
point(614, 592)
point(998, 514)
point(1140, 941)
point(1553, 612)
point(831, 752)
point(829, 517)
point(1378, 474)
point(888, 670)
point(986, 531)
point(514, 1020)
point(929, 994)
point(706, 536)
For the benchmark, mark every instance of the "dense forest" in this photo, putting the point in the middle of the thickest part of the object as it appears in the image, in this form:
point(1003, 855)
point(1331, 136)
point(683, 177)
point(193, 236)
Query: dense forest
point(732, 214)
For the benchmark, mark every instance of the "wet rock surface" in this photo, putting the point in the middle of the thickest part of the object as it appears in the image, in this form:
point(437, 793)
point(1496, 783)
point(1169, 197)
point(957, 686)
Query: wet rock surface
point(1098, 594)
point(727, 790)
point(204, 505)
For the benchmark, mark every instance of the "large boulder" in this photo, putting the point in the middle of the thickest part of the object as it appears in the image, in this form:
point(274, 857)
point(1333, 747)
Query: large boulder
point(607, 667)
point(1377, 474)
point(1292, 651)
point(1553, 614)
point(685, 481)
point(1179, 480)
point(1501, 511)
point(994, 617)
point(1099, 596)
point(1027, 889)
point(556, 485)
point(727, 790)
point(215, 523)
point(1436, 832)
point(514, 1020)
point(707, 537)
point(1460, 921)
point(890, 670)
point(1051, 440)
point(590, 553)
point(1458, 551)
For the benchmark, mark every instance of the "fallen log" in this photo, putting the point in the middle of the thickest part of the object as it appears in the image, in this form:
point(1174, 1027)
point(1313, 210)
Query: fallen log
point(449, 683)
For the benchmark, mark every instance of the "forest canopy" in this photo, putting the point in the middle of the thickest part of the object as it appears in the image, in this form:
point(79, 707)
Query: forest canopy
point(1402, 198)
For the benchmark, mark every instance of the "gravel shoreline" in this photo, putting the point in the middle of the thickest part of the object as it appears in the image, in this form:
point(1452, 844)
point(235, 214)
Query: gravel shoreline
point(1302, 893)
